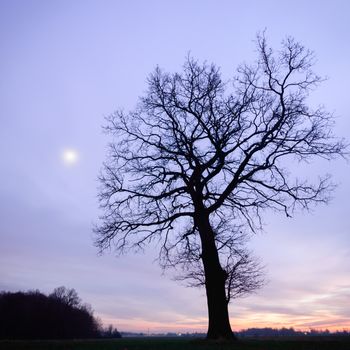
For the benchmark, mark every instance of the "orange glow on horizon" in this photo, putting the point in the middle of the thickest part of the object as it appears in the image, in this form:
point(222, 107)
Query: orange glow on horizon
point(199, 325)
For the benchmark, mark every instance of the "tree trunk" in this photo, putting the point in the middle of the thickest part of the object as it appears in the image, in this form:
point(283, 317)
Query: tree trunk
point(215, 277)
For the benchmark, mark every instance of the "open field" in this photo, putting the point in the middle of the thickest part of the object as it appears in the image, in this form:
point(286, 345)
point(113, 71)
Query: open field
point(177, 344)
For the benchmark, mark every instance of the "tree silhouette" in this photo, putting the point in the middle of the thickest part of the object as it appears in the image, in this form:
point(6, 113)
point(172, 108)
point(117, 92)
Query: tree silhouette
point(33, 315)
point(199, 160)
point(67, 296)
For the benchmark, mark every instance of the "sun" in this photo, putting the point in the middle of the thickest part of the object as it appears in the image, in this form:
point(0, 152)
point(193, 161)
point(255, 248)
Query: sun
point(70, 156)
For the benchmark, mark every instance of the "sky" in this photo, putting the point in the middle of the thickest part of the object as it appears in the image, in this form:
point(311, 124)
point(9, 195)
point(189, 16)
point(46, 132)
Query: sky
point(65, 66)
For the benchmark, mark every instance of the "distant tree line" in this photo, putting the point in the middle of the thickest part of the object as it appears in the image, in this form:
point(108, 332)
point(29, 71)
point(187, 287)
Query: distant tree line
point(287, 332)
point(59, 315)
point(254, 333)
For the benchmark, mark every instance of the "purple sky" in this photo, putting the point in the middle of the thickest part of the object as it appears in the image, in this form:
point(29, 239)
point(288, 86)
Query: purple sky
point(65, 65)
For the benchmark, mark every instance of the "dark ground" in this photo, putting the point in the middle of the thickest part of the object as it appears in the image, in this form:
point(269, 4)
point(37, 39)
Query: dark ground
point(342, 343)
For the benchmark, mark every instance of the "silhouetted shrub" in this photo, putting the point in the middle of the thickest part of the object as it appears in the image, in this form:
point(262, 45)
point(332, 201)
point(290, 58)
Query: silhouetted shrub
point(110, 332)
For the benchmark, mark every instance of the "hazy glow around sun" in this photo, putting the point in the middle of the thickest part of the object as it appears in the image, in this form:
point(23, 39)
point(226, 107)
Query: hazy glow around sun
point(70, 156)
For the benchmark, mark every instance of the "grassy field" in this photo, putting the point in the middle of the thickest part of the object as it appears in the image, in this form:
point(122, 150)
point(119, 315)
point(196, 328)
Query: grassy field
point(177, 344)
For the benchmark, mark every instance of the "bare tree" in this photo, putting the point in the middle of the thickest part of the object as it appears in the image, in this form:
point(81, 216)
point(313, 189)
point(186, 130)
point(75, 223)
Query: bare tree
point(68, 296)
point(199, 160)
